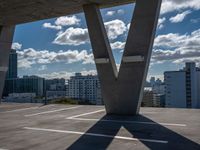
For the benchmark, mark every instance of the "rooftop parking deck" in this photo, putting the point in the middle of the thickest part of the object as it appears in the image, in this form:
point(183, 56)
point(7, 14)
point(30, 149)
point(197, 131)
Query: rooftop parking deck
point(59, 127)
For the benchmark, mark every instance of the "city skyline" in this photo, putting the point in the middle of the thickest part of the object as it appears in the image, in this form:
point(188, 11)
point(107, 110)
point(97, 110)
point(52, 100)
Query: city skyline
point(60, 47)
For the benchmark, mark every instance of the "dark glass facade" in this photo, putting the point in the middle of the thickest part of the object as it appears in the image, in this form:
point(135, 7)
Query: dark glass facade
point(12, 67)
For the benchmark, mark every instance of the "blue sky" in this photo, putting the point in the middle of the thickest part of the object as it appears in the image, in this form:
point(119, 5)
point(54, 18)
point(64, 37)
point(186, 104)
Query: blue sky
point(59, 47)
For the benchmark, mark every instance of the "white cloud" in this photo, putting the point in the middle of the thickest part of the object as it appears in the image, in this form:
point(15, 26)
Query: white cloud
point(72, 36)
point(115, 28)
point(50, 26)
point(177, 5)
point(30, 56)
point(177, 48)
point(128, 26)
point(113, 12)
point(89, 72)
point(179, 17)
point(60, 74)
point(118, 45)
point(110, 13)
point(66, 75)
point(161, 22)
point(16, 46)
point(78, 36)
point(120, 11)
point(67, 21)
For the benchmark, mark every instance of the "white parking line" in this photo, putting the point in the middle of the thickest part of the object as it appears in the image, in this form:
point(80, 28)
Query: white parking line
point(51, 111)
point(93, 112)
point(22, 109)
point(98, 135)
point(76, 117)
point(128, 121)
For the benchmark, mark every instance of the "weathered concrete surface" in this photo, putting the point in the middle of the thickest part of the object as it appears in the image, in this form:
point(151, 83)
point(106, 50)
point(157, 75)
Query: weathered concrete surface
point(122, 92)
point(181, 132)
point(22, 11)
point(6, 37)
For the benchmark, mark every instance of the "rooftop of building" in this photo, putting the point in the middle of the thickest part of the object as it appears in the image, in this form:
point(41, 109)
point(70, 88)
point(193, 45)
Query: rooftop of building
point(53, 127)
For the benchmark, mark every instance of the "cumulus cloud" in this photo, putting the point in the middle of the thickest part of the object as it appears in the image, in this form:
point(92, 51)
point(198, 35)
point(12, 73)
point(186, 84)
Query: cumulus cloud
point(115, 28)
point(118, 45)
point(30, 56)
point(67, 21)
point(16, 46)
point(62, 21)
point(180, 17)
point(50, 26)
point(72, 36)
point(53, 75)
point(177, 48)
point(177, 5)
point(78, 36)
point(66, 75)
point(161, 22)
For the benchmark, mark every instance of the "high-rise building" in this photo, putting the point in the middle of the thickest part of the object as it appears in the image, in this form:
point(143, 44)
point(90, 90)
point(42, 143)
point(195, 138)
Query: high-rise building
point(182, 87)
point(12, 67)
point(84, 88)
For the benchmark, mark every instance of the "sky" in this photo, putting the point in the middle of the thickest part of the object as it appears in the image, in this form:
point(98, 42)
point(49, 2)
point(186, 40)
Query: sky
point(59, 47)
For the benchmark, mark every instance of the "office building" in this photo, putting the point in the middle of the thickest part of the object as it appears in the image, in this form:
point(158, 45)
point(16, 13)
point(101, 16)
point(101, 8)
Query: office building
point(84, 88)
point(183, 87)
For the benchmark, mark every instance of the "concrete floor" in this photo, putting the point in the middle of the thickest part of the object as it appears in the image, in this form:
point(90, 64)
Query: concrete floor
point(60, 127)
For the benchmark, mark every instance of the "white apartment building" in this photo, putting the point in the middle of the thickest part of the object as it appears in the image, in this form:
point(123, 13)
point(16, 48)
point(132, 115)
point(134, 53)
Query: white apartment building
point(183, 87)
point(84, 88)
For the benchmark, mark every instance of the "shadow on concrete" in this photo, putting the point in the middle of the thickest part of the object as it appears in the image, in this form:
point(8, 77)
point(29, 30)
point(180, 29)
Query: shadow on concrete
point(140, 131)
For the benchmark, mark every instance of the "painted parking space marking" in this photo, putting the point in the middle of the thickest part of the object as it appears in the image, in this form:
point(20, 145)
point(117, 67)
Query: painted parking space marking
point(84, 114)
point(77, 117)
point(130, 122)
point(98, 135)
point(51, 111)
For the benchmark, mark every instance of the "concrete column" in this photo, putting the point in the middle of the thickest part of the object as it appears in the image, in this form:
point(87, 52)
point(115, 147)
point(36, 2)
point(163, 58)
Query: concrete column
point(6, 37)
point(122, 92)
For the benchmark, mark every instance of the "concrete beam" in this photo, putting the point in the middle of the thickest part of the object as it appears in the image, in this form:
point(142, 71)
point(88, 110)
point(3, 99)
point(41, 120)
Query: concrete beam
point(6, 37)
point(122, 92)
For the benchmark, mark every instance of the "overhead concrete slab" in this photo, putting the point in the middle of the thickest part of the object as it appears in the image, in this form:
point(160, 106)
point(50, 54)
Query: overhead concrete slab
point(22, 11)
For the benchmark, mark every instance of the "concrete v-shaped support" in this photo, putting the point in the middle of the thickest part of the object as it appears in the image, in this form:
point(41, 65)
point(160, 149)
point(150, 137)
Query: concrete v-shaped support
point(122, 91)
point(6, 37)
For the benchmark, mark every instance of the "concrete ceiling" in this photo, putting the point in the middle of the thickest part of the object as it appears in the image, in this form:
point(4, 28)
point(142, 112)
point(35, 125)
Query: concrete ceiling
point(22, 11)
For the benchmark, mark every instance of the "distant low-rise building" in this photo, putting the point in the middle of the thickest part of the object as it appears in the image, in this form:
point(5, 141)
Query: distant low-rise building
point(21, 98)
point(152, 99)
point(27, 84)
